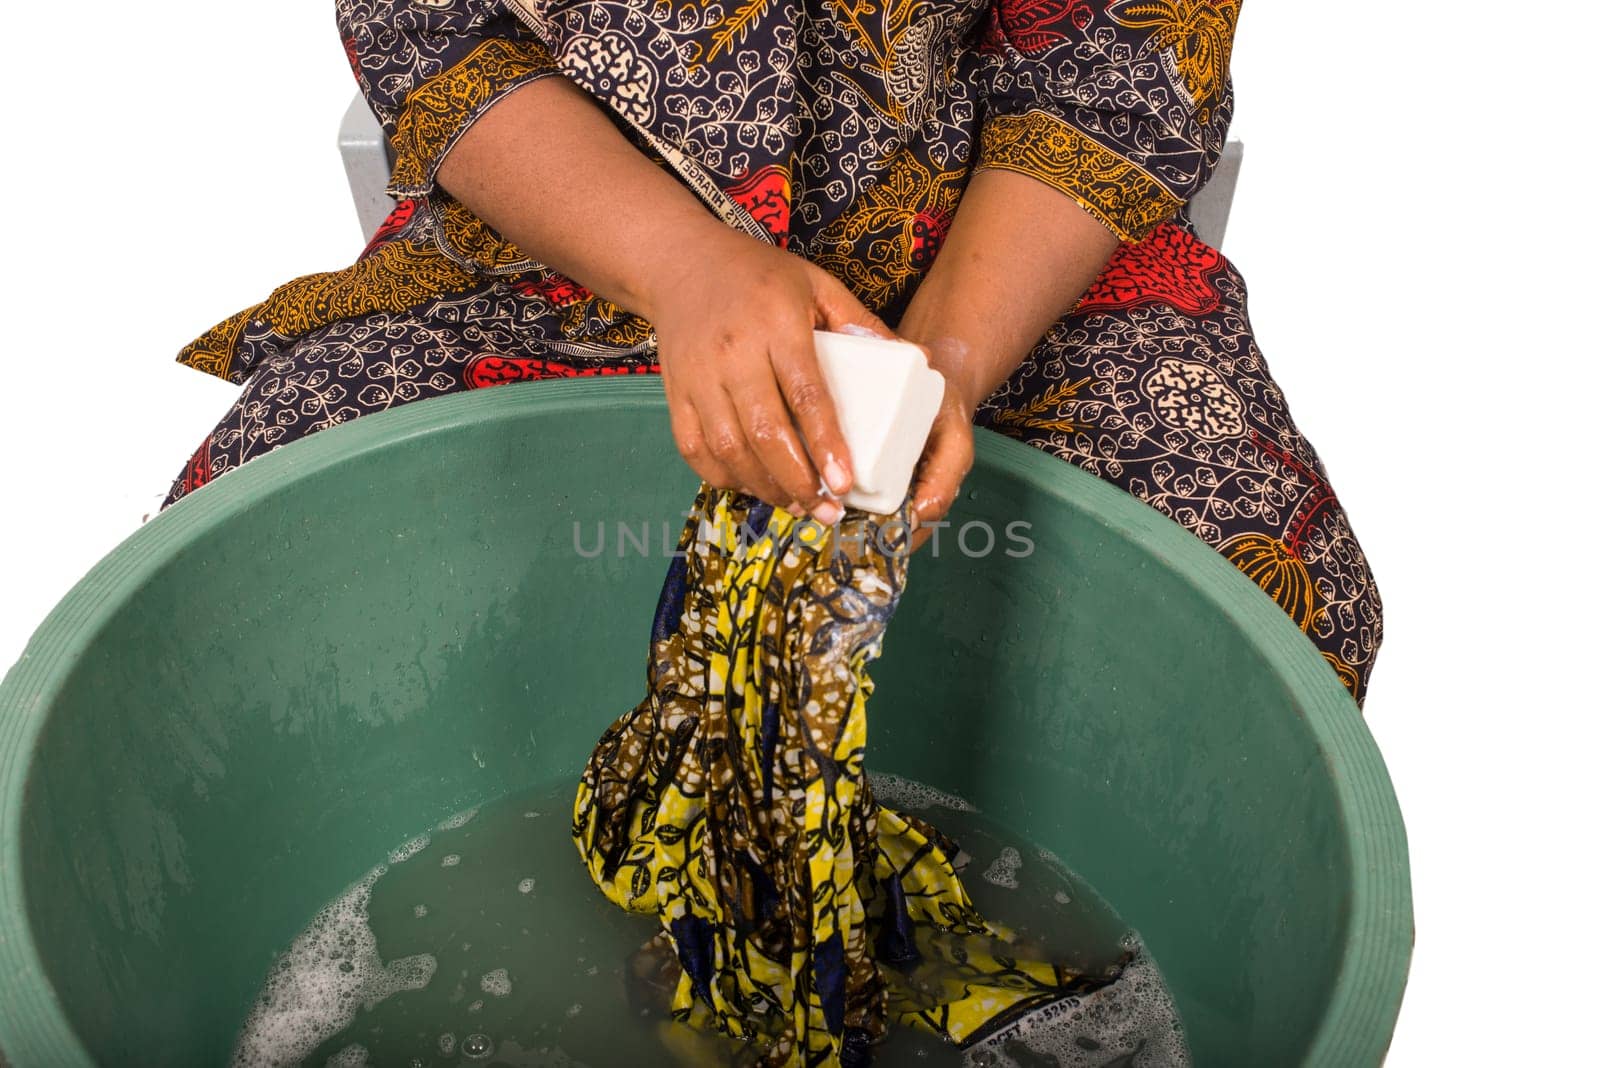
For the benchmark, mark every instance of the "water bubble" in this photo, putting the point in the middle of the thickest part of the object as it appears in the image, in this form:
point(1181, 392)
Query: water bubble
point(1003, 872)
point(450, 861)
point(525, 886)
point(354, 1056)
point(496, 983)
point(409, 850)
point(477, 1046)
point(447, 1043)
point(419, 911)
point(460, 819)
point(898, 792)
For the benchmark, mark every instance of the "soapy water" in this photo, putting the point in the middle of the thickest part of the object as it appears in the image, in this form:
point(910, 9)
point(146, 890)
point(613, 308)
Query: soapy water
point(424, 963)
point(1003, 872)
point(330, 973)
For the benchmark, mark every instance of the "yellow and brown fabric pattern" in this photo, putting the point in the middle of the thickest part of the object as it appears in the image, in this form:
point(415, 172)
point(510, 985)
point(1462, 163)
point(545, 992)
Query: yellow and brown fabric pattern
point(732, 804)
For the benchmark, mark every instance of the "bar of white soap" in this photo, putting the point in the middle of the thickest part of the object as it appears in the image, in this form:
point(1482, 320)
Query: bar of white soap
point(886, 396)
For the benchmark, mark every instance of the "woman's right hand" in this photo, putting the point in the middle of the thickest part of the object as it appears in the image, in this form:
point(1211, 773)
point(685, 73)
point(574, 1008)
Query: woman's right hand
point(750, 409)
point(551, 173)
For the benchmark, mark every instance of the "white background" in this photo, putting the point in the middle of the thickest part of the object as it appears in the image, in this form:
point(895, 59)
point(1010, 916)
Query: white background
point(1414, 220)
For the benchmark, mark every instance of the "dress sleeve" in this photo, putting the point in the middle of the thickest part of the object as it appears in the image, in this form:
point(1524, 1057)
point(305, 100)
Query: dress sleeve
point(429, 70)
point(1123, 105)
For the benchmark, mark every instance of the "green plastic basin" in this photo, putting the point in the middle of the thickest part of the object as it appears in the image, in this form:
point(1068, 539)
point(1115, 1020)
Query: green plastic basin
point(239, 710)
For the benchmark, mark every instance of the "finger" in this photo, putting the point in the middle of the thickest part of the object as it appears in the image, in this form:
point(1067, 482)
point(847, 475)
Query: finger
point(805, 393)
point(776, 443)
point(691, 440)
point(725, 439)
point(946, 459)
point(838, 309)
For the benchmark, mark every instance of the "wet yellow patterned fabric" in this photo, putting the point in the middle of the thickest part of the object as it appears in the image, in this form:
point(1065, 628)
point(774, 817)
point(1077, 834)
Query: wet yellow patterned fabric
point(732, 804)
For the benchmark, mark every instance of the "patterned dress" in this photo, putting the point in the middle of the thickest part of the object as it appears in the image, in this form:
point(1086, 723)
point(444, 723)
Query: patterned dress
point(731, 803)
point(842, 130)
point(845, 132)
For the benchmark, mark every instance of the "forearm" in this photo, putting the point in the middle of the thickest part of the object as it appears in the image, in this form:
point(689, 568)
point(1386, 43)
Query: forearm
point(549, 171)
point(1018, 256)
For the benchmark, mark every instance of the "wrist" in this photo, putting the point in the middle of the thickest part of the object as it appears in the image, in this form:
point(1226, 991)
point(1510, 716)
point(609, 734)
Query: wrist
point(677, 255)
point(953, 354)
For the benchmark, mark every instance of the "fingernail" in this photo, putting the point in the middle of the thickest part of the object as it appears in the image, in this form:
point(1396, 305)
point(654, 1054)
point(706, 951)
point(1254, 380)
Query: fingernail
point(859, 330)
point(796, 509)
point(835, 475)
point(828, 513)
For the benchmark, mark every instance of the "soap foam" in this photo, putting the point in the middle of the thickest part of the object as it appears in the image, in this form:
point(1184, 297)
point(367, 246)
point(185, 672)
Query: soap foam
point(902, 793)
point(1132, 1021)
point(1003, 872)
point(331, 970)
point(497, 983)
point(409, 850)
point(460, 819)
point(353, 1056)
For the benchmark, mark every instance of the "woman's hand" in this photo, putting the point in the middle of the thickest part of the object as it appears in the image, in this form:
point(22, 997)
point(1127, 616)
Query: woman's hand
point(550, 171)
point(1017, 257)
point(746, 395)
point(947, 456)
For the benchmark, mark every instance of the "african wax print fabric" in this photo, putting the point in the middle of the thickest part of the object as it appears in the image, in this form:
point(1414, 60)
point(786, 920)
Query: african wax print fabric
point(845, 132)
point(842, 130)
point(1154, 384)
point(732, 803)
